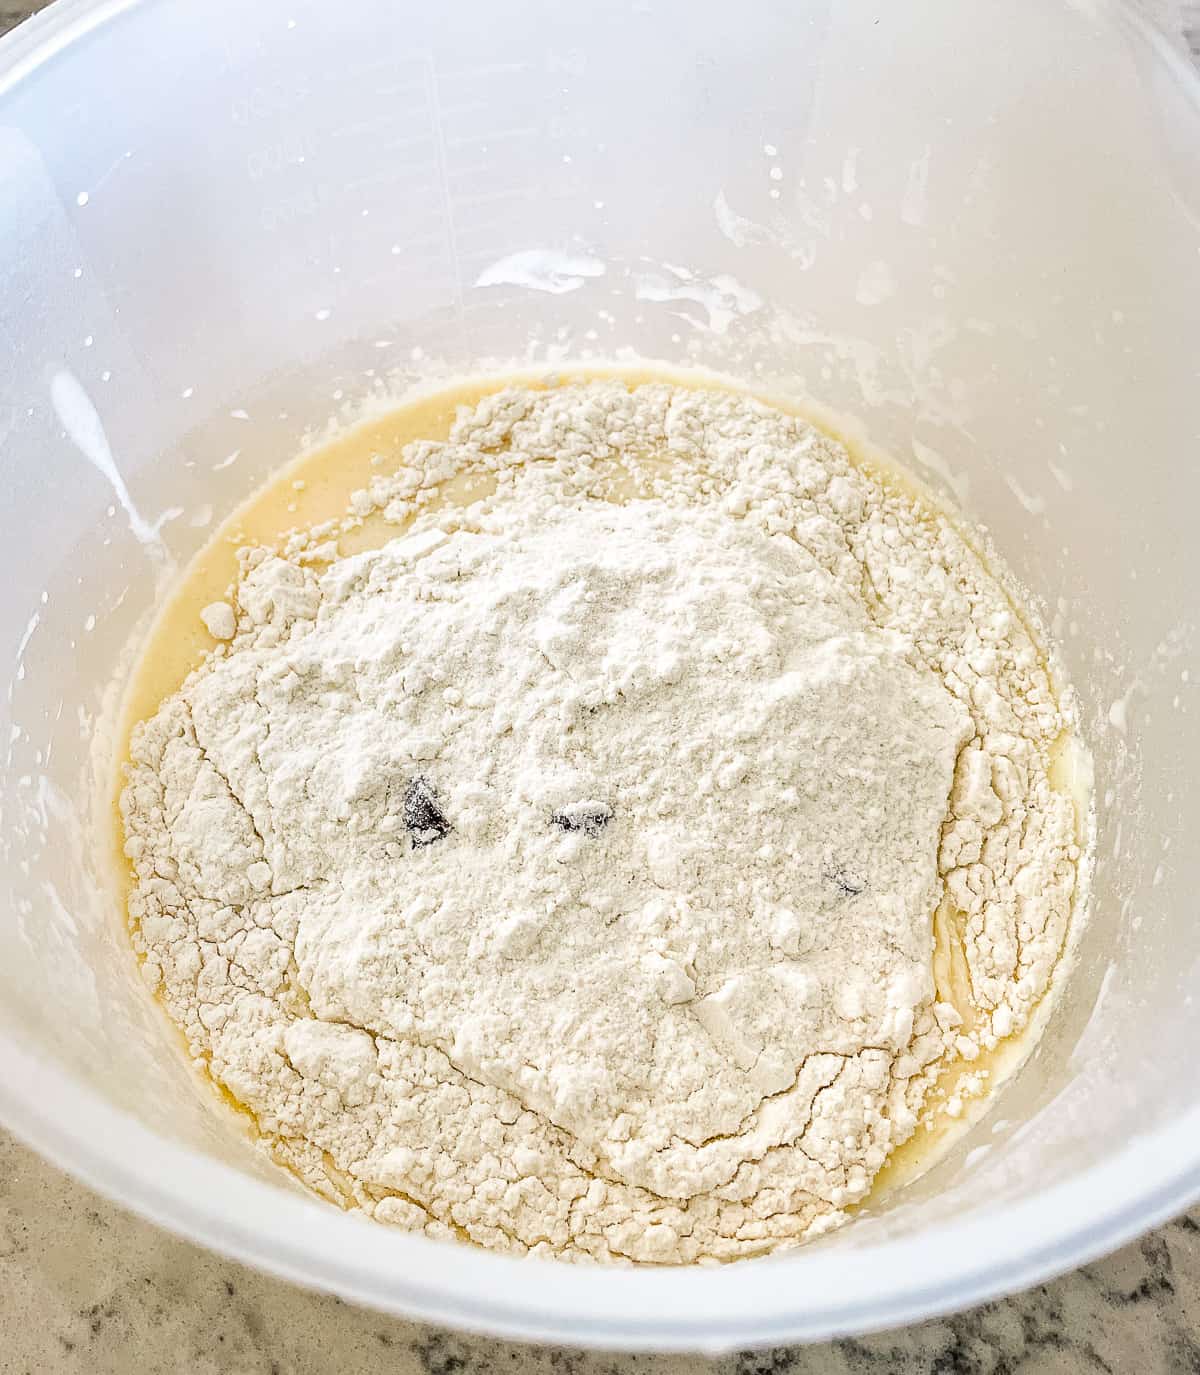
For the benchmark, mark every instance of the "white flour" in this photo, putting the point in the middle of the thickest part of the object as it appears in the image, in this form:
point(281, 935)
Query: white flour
point(561, 875)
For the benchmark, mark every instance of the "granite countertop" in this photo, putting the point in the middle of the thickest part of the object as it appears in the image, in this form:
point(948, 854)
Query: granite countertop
point(87, 1288)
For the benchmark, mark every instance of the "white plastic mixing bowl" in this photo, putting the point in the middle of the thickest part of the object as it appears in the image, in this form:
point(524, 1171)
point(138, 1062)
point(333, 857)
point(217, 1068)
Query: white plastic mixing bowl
point(973, 224)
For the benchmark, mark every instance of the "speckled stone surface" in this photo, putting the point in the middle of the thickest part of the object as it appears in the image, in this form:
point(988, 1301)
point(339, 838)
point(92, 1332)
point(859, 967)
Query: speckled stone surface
point(87, 1289)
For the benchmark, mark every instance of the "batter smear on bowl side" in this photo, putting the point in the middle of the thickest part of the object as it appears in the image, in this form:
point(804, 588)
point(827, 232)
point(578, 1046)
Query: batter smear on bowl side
point(565, 873)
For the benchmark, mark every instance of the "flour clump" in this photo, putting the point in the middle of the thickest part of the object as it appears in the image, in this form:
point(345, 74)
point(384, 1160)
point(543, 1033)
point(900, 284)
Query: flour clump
point(562, 874)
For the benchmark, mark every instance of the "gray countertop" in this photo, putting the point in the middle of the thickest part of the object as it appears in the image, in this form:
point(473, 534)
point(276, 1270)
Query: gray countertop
point(85, 1287)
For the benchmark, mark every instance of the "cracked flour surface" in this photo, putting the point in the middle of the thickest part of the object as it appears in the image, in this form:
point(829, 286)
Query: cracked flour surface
point(562, 874)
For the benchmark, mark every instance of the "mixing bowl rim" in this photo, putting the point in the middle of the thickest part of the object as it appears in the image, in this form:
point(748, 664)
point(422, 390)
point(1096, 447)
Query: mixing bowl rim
point(890, 1284)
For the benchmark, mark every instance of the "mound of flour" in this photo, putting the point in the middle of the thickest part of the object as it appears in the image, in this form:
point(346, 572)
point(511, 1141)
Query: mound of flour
point(561, 875)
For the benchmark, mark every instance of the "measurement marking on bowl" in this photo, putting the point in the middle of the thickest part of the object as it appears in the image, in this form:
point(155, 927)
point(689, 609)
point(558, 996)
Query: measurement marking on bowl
point(440, 130)
point(369, 129)
point(488, 69)
point(465, 107)
point(398, 145)
point(432, 277)
point(492, 235)
point(367, 238)
point(413, 192)
point(418, 244)
point(488, 137)
point(473, 169)
point(414, 87)
point(490, 197)
point(391, 176)
point(356, 74)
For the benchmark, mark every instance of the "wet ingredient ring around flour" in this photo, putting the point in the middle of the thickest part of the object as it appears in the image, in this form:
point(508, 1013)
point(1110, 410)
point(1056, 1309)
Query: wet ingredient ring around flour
point(718, 1081)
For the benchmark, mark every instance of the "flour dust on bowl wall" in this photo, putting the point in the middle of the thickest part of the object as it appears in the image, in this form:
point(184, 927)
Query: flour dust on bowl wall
point(729, 807)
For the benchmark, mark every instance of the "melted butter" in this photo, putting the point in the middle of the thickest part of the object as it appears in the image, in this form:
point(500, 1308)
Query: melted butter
point(951, 975)
point(316, 487)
